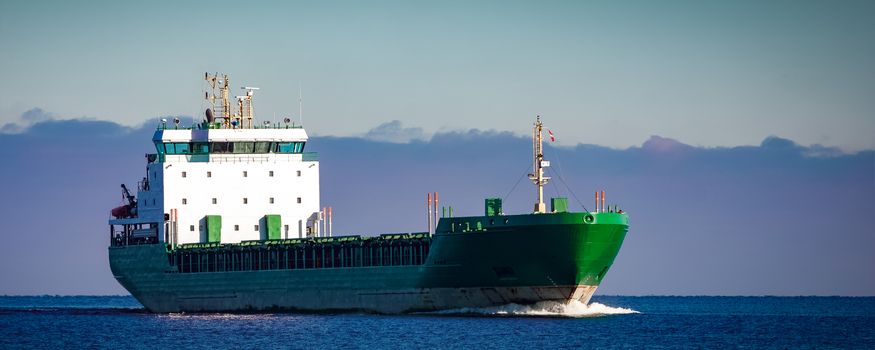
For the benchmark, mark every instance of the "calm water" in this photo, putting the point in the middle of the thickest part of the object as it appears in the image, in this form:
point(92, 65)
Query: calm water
point(610, 322)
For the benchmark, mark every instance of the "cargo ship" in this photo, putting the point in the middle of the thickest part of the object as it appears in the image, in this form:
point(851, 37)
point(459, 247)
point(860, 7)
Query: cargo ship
point(228, 219)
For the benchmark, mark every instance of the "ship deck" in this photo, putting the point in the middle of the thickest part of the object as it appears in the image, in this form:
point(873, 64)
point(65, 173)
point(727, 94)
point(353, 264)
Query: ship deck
point(307, 253)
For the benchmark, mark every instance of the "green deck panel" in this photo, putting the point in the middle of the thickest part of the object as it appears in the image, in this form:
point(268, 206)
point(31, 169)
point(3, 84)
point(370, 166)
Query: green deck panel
point(214, 228)
point(274, 225)
point(559, 204)
point(493, 206)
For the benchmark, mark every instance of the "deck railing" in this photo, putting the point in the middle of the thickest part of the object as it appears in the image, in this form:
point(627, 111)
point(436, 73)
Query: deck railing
point(335, 252)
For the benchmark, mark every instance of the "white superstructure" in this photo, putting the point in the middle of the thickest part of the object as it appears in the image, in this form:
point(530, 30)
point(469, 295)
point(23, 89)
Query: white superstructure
point(225, 182)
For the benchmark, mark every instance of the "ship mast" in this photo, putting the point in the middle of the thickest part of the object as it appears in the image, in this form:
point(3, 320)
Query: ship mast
point(219, 86)
point(537, 175)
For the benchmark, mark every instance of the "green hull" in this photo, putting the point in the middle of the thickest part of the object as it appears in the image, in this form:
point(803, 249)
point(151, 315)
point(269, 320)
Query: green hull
point(472, 262)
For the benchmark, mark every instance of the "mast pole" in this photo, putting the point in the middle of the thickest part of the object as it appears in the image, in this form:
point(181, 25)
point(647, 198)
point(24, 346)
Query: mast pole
point(537, 175)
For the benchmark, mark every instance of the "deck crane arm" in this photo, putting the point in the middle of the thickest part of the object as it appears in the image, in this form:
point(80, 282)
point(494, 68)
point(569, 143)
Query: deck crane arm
point(127, 195)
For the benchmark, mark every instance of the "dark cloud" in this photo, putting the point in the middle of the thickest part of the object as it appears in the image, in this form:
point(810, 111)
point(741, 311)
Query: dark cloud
point(36, 115)
point(778, 218)
point(657, 144)
point(27, 118)
point(393, 131)
point(10, 128)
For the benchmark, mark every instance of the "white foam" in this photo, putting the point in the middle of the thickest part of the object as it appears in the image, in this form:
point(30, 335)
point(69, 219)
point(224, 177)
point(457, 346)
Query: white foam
point(545, 308)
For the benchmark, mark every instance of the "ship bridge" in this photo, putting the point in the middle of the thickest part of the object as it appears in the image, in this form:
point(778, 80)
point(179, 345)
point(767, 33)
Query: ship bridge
point(262, 141)
point(225, 179)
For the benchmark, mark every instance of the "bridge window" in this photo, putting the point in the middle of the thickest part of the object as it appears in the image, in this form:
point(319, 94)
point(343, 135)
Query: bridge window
point(200, 148)
point(262, 147)
point(243, 147)
point(284, 147)
point(222, 147)
point(174, 148)
point(178, 148)
point(183, 148)
point(289, 147)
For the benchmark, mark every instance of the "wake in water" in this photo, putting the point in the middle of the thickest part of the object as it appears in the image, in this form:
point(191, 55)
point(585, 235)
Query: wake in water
point(574, 309)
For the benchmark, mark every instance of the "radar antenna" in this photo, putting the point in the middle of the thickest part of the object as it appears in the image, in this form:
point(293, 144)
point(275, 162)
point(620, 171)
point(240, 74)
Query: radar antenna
point(245, 105)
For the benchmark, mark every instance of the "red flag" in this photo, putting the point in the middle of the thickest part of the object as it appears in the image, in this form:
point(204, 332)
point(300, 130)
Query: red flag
point(552, 138)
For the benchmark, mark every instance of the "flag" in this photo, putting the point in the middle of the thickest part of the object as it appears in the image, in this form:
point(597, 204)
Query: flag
point(552, 138)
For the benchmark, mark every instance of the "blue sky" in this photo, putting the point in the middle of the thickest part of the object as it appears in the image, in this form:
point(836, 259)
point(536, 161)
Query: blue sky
point(708, 73)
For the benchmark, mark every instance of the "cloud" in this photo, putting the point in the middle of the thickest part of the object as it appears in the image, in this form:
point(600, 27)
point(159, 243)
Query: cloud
point(394, 132)
point(25, 120)
point(658, 144)
point(36, 115)
point(10, 128)
point(38, 122)
point(704, 220)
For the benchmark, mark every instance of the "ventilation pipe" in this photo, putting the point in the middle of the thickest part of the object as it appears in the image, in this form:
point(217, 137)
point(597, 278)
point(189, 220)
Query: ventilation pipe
point(435, 213)
point(596, 201)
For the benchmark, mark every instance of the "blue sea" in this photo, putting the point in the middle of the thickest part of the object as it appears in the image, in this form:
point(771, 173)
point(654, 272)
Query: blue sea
point(120, 322)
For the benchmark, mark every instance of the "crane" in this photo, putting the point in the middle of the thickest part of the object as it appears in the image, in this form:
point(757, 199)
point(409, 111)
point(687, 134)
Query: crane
point(128, 210)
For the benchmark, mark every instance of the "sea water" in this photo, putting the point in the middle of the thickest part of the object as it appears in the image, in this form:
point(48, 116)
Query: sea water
point(607, 322)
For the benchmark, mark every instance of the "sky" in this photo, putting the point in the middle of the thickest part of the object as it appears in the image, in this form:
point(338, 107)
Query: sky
point(738, 135)
point(613, 73)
